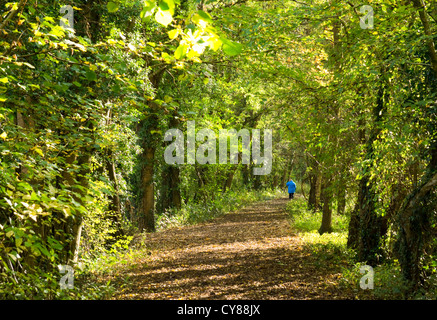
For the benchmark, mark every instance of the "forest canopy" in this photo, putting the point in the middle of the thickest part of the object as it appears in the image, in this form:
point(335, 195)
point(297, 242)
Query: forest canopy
point(88, 90)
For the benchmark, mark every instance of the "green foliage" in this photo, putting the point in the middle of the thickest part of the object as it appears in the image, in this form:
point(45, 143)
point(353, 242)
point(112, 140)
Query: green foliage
point(98, 230)
point(329, 248)
point(388, 283)
point(43, 285)
point(79, 110)
point(305, 220)
point(118, 253)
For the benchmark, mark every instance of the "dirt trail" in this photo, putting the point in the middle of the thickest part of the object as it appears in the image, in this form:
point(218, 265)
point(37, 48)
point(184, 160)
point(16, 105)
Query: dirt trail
point(250, 254)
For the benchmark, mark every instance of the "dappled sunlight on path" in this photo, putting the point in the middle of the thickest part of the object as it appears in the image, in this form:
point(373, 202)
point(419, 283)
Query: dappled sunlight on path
point(250, 254)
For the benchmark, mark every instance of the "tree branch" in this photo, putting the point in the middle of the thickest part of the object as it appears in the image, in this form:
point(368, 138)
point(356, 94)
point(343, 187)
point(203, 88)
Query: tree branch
point(427, 29)
point(231, 4)
point(12, 14)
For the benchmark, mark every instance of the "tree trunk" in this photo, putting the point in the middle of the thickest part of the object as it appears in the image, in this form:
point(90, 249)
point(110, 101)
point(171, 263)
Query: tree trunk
point(170, 195)
point(114, 205)
point(176, 199)
point(146, 207)
point(354, 226)
point(341, 199)
point(315, 189)
point(246, 174)
point(420, 6)
point(81, 179)
point(257, 182)
point(164, 200)
point(146, 210)
point(76, 228)
point(354, 222)
point(312, 195)
point(230, 176)
point(414, 214)
point(414, 222)
point(326, 210)
point(369, 223)
point(201, 183)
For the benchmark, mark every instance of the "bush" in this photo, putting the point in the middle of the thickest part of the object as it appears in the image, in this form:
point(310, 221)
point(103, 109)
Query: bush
point(43, 285)
point(388, 282)
point(305, 220)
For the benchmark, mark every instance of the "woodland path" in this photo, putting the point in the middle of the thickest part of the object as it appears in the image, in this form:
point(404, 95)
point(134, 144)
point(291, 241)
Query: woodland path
point(249, 254)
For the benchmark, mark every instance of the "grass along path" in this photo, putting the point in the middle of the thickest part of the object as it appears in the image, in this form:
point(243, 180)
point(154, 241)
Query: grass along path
point(250, 254)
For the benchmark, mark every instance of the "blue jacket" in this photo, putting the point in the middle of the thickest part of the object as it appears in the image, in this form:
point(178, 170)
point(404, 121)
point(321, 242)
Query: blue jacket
point(291, 186)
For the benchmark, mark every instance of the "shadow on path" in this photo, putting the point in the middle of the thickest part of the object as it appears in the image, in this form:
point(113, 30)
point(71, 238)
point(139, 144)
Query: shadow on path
point(250, 254)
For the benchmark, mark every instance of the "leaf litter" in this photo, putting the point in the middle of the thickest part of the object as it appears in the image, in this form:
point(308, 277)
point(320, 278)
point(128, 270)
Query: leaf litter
point(250, 254)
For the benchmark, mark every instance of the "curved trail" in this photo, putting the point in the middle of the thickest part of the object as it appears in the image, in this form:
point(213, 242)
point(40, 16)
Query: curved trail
point(249, 254)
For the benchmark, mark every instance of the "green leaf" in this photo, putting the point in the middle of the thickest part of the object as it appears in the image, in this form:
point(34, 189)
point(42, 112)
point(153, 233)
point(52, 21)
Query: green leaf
point(34, 196)
point(172, 34)
point(91, 75)
point(43, 250)
point(202, 18)
point(112, 6)
point(192, 54)
point(163, 17)
point(148, 9)
point(39, 151)
point(214, 43)
point(167, 5)
point(231, 48)
point(205, 16)
point(14, 257)
point(180, 51)
point(35, 251)
point(149, 5)
point(163, 6)
point(4, 80)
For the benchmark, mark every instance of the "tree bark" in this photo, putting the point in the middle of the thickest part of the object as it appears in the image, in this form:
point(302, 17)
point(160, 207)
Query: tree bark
point(420, 6)
point(369, 229)
point(369, 250)
point(341, 199)
point(230, 176)
point(414, 223)
point(326, 210)
point(315, 188)
point(114, 204)
point(354, 222)
point(170, 195)
point(146, 208)
point(81, 179)
point(354, 225)
point(146, 212)
point(414, 216)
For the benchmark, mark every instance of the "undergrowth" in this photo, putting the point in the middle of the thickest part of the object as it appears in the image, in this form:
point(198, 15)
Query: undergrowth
point(330, 249)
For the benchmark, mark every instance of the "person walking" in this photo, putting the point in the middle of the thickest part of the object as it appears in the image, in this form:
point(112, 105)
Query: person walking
point(291, 188)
